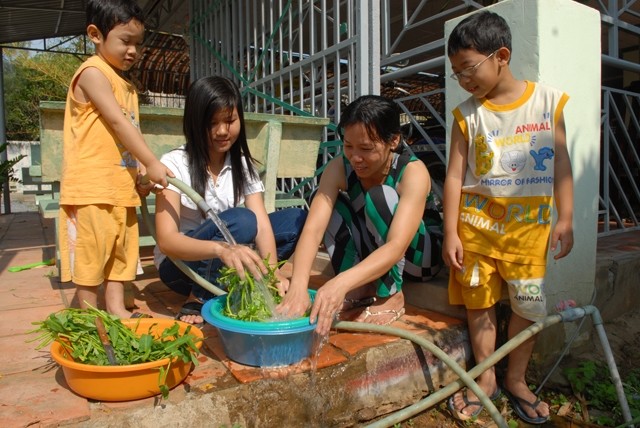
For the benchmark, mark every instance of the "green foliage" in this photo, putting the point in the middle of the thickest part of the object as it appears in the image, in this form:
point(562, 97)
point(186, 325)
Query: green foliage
point(592, 379)
point(7, 172)
point(75, 330)
point(558, 400)
point(249, 299)
point(29, 79)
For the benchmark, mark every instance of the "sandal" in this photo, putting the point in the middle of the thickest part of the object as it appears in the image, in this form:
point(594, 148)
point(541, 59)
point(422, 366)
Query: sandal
point(136, 315)
point(349, 304)
point(517, 403)
point(460, 415)
point(396, 314)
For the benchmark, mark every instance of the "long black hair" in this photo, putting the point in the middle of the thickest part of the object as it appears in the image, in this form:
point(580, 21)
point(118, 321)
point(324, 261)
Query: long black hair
point(207, 97)
point(106, 14)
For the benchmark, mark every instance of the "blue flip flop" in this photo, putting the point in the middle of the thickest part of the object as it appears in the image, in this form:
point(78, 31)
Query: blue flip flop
point(517, 402)
point(463, 416)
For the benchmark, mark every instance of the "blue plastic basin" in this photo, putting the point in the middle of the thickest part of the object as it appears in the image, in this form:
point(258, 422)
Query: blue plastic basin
point(261, 344)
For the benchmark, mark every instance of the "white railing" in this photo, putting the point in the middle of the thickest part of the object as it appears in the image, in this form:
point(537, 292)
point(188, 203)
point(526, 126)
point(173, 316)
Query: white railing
point(619, 208)
point(312, 57)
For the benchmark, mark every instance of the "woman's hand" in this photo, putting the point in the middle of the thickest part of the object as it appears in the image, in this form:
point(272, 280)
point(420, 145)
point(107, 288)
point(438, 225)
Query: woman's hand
point(326, 306)
point(283, 283)
point(295, 303)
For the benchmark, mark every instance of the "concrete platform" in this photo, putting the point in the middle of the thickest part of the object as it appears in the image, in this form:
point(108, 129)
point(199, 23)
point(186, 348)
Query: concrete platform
point(355, 378)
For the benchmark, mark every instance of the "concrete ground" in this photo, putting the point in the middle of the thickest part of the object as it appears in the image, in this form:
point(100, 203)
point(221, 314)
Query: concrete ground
point(355, 378)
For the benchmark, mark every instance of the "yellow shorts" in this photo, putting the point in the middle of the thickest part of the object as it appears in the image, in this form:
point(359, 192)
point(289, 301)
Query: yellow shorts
point(97, 243)
point(479, 285)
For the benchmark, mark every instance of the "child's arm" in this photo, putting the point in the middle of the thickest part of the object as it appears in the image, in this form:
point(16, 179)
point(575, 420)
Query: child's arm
point(563, 191)
point(452, 246)
point(93, 86)
point(179, 246)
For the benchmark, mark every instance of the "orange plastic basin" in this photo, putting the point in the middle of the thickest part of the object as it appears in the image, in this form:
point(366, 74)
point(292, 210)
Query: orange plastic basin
point(123, 383)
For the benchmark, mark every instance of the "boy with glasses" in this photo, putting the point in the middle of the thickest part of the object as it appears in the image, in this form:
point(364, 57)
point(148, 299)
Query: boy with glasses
point(508, 161)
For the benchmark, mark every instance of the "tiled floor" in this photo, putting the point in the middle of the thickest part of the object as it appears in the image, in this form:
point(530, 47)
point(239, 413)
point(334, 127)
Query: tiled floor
point(33, 390)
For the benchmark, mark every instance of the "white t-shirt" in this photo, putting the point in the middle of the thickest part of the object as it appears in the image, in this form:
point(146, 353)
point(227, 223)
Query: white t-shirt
point(219, 196)
point(506, 206)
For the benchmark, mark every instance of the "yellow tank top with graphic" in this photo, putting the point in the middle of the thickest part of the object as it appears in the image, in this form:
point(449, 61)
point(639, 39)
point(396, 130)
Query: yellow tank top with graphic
point(96, 167)
point(506, 208)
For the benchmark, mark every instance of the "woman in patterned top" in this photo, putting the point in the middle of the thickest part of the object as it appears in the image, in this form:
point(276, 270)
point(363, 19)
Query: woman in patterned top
point(368, 212)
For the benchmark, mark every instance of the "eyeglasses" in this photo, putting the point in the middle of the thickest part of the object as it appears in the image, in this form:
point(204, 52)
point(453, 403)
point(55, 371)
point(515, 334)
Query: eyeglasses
point(468, 72)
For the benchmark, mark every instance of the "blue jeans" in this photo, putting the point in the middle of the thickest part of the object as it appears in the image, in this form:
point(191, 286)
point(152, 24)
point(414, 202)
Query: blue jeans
point(286, 224)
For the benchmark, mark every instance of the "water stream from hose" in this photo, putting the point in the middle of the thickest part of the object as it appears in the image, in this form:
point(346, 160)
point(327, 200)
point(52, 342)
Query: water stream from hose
point(259, 282)
point(226, 234)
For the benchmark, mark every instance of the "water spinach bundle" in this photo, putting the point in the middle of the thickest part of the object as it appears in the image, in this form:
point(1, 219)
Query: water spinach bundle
point(75, 330)
point(249, 299)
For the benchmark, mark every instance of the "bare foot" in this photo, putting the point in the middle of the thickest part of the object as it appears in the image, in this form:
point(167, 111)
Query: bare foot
point(190, 312)
point(464, 404)
point(122, 314)
point(191, 319)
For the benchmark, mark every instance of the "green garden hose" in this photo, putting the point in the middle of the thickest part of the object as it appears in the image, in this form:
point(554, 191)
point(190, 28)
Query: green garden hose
point(199, 201)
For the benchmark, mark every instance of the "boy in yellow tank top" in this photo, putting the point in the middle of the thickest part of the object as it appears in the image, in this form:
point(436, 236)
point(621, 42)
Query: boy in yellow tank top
point(508, 163)
point(102, 147)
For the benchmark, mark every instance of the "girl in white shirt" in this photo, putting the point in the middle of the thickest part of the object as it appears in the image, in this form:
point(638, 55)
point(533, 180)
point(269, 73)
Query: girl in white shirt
point(217, 164)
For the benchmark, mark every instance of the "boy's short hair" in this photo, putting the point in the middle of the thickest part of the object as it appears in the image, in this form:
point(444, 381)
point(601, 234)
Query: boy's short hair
point(484, 32)
point(106, 14)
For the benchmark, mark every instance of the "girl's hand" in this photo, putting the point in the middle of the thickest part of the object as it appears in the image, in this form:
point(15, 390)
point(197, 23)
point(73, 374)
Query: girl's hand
point(158, 172)
point(563, 232)
point(241, 257)
point(143, 187)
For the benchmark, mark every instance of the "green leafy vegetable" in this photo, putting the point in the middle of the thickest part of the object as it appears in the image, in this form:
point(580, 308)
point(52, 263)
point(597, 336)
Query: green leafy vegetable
point(249, 299)
point(76, 331)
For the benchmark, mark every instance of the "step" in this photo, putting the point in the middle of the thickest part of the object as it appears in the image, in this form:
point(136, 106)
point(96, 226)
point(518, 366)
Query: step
point(431, 295)
point(356, 378)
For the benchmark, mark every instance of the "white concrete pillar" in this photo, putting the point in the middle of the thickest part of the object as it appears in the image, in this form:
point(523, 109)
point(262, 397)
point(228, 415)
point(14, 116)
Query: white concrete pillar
point(368, 48)
point(557, 42)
